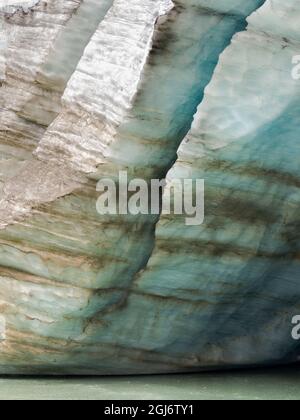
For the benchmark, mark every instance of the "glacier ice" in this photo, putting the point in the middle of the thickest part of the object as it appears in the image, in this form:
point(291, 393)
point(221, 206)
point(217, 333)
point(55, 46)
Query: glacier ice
point(187, 89)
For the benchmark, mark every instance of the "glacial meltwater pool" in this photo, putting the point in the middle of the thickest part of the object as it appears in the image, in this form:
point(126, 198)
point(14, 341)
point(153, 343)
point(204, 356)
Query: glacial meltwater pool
point(266, 384)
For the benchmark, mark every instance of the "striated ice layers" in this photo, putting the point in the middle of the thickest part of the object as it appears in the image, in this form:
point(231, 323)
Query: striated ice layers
point(83, 293)
point(27, 33)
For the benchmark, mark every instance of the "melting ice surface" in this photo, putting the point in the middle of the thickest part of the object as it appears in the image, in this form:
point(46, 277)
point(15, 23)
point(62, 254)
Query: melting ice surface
point(70, 45)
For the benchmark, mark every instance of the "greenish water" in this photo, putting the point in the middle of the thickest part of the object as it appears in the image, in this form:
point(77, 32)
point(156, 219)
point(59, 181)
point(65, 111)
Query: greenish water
point(272, 384)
